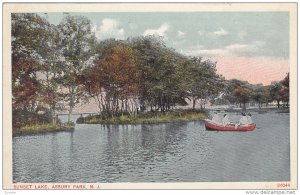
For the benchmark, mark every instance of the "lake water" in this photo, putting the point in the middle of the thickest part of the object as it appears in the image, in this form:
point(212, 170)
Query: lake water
point(171, 152)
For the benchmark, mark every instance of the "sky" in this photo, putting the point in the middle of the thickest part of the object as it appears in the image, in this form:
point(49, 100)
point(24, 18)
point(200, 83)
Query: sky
point(252, 46)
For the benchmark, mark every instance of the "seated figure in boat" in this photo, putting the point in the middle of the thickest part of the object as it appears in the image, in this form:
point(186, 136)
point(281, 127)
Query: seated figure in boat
point(243, 120)
point(249, 118)
point(225, 120)
point(216, 119)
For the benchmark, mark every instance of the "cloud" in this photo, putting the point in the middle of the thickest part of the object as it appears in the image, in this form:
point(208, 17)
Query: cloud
point(161, 31)
point(245, 49)
point(220, 32)
point(230, 50)
point(180, 34)
point(109, 28)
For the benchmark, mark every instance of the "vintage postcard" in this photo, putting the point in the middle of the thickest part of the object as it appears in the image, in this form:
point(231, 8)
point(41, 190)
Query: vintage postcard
point(149, 96)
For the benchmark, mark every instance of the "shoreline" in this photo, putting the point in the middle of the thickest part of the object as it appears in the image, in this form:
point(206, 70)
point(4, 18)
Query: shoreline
point(253, 109)
point(42, 129)
point(144, 119)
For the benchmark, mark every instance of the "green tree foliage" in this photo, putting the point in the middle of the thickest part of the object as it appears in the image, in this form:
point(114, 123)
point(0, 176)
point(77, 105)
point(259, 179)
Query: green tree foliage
point(77, 43)
point(148, 51)
point(275, 93)
point(261, 95)
point(204, 82)
point(238, 92)
point(52, 72)
point(241, 92)
point(285, 90)
point(279, 91)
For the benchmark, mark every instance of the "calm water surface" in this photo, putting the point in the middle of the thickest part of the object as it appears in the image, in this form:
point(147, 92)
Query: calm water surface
point(172, 152)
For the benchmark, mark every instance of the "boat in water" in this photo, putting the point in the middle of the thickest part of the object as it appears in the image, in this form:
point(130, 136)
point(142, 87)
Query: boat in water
point(209, 125)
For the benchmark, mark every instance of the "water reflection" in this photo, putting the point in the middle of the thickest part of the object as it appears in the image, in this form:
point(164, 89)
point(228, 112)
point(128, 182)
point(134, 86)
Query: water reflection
point(167, 152)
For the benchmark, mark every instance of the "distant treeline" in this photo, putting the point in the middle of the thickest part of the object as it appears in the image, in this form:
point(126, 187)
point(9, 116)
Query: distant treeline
point(54, 67)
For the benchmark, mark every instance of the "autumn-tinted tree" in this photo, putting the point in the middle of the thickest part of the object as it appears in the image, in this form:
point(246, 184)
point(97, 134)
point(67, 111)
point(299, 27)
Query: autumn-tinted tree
point(116, 74)
point(28, 32)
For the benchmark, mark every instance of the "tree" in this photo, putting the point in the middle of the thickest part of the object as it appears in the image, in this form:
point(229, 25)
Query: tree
point(28, 33)
point(285, 91)
point(77, 43)
point(275, 89)
point(258, 94)
point(51, 72)
point(261, 94)
point(167, 91)
point(238, 92)
point(204, 82)
point(242, 95)
point(117, 75)
point(149, 59)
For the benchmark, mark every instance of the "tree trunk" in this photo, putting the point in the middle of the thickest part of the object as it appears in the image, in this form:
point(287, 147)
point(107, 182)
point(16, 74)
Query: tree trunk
point(122, 105)
point(244, 106)
point(99, 102)
point(70, 113)
point(278, 105)
point(201, 104)
point(194, 103)
point(126, 105)
point(53, 115)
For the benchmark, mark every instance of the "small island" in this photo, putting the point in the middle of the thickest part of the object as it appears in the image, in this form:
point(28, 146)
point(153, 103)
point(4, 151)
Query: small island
point(146, 118)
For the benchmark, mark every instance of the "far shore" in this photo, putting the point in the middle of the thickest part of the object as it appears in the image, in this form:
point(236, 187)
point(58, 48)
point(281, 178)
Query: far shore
point(227, 109)
point(255, 109)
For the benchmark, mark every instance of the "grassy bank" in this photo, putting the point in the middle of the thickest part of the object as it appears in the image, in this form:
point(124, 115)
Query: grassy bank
point(146, 118)
point(43, 128)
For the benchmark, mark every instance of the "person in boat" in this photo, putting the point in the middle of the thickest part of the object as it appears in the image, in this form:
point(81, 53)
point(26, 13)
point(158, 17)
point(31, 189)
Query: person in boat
point(243, 120)
point(225, 120)
point(249, 118)
point(216, 118)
